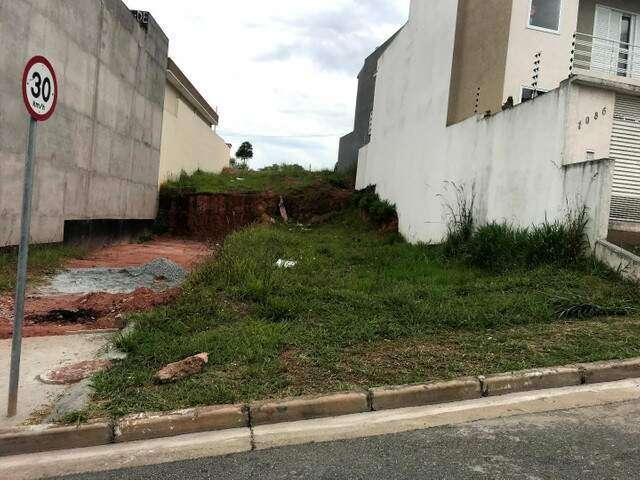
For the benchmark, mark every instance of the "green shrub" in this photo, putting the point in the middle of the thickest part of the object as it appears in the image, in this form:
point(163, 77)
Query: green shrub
point(562, 243)
point(496, 246)
point(500, 246)
point(461, 222)
point(379, 211)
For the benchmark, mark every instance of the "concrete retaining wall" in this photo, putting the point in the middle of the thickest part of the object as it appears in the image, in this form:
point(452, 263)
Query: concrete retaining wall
point(619, 259)
point(98, 156)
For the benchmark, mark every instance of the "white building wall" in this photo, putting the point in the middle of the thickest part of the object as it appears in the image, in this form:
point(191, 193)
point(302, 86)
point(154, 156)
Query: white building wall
point(589, 122)
point(514, 160)
point(410, 114)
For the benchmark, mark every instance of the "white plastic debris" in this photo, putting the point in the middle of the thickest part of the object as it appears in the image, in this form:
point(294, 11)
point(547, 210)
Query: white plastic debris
point(286, 263)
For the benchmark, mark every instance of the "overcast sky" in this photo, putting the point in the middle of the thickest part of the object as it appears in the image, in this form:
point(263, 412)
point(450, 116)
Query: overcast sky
point(283, 72)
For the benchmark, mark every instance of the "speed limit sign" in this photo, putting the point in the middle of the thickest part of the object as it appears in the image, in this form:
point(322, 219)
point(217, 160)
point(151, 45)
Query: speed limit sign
point(40, 88)
point(40, 94)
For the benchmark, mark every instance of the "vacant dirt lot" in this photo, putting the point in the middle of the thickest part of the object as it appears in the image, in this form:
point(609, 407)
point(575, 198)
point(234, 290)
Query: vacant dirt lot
point(60, 314)
point(186, 253)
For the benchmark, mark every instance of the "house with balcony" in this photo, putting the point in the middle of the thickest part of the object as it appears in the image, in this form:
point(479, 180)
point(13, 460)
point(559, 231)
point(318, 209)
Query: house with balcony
point(534, 105)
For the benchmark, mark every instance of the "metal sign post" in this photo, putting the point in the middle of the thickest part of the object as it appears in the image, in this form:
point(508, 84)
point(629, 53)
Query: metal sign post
point(40, 93)
point(16, 345)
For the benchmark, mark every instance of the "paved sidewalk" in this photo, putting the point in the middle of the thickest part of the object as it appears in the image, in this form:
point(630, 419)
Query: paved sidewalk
point(39, 355)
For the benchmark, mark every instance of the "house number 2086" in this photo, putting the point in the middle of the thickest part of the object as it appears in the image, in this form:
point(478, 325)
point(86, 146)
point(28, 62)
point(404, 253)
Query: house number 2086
point(596, 116)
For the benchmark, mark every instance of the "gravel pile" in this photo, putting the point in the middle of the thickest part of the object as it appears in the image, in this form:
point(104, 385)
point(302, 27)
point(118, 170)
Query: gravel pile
point(158, 275)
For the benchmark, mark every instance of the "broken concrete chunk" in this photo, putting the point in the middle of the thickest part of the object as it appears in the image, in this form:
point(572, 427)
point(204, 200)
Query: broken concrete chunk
point(182, 369)
point(74, 373)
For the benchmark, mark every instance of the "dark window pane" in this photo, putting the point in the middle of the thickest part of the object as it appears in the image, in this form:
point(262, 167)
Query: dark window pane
point(527, 94)
point(545, 14)
point(625, 33)
point(625, 38)
point(530, 93)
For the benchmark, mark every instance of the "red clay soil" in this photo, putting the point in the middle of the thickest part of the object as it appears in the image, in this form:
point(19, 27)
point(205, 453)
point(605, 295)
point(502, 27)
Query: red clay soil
point(59, 315)
point(186, 253)
point(77, 313)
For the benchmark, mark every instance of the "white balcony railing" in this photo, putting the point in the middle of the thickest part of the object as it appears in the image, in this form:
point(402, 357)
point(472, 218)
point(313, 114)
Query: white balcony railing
point(606, 56)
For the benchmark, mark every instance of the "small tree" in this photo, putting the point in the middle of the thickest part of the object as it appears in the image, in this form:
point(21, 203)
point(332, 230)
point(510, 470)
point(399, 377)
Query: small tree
point(245, 152)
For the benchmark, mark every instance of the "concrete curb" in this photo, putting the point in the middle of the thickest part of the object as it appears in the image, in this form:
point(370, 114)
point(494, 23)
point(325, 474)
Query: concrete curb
point(18, 441)
point(149, 426)
point(527, 380)
point(305, 408)
point(146, 426)
point(601, 372)
point(387, 398)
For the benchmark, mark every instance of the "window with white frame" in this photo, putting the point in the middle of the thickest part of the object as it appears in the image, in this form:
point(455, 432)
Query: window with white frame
point(545, 14)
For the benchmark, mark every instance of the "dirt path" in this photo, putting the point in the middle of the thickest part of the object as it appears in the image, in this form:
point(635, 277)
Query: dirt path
point(62, 314)
point(186, 253)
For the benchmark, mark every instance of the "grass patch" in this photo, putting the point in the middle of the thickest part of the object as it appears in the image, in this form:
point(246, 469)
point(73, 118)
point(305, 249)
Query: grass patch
point(501, 246)
point(277, 178)
point(358, 310)
point(43, 260)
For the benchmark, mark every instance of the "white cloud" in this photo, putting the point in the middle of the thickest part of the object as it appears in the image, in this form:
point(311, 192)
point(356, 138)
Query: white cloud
point(282, 73)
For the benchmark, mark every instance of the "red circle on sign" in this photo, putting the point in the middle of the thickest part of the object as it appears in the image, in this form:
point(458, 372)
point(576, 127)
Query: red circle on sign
point(34, 114)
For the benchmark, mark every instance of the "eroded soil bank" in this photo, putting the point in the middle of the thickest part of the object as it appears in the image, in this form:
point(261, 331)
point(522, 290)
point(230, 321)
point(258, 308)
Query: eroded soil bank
point(212, 216)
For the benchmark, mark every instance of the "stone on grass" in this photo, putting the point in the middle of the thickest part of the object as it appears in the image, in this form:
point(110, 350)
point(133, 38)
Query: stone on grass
point(182, 369)
point(74, 373)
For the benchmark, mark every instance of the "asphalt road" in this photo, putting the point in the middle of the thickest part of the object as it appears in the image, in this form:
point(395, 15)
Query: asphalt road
point(589, 443)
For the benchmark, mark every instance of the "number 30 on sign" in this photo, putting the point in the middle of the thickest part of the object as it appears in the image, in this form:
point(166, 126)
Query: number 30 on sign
point(40, 88)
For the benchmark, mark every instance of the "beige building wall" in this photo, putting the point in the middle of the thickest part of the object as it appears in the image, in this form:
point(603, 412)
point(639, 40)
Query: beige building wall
point(525, 42)
point(479, 58)
point(188, 142)
point(495, 50)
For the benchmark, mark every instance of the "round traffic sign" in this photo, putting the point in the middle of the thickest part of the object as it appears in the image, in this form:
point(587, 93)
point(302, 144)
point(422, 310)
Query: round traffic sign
point(40, 88)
